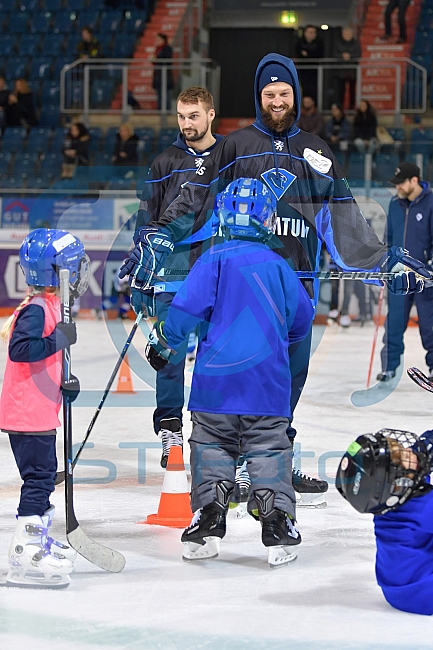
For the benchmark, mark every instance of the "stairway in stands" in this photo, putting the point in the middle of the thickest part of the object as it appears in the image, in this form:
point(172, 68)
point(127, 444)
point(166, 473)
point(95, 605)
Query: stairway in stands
point(378, 83)
point(165, 19)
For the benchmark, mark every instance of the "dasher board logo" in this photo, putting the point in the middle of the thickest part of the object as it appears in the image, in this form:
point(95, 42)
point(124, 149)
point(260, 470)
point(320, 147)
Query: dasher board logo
point(278, 181)
point(317, 161)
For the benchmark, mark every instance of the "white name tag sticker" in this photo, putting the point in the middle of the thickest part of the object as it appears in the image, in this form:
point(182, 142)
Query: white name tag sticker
point(317, 161)
point(64, 241)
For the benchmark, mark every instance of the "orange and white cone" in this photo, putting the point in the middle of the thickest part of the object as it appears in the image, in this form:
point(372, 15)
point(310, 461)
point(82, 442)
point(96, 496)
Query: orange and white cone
point(174, 506)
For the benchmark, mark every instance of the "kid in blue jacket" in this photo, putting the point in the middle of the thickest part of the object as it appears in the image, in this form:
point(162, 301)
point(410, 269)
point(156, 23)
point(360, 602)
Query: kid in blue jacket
point(249, 306)
point(387, 474)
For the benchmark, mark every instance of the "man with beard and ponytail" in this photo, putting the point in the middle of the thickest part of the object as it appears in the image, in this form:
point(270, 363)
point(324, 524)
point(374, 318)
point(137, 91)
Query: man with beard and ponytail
point(315, 205)
point(169, 170)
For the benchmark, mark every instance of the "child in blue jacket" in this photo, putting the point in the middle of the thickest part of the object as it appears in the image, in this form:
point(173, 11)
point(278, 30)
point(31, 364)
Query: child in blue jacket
point(248, 305)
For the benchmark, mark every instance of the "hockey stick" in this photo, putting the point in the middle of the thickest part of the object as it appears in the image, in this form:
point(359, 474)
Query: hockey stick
point(96, 553)
point(376, 331)
point(61, 475)
point(421, 379)
point(318, 275)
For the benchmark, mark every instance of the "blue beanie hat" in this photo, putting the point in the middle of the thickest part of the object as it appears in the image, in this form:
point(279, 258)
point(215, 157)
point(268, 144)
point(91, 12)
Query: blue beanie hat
point(274, 72)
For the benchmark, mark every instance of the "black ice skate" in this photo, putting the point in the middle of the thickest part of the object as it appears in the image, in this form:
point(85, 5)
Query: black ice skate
point(279, 533)
point(201, 539)
point(170, 433)
point(310, 492)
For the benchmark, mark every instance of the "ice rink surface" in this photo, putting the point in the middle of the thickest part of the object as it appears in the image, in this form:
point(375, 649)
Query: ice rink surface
point(327, 599)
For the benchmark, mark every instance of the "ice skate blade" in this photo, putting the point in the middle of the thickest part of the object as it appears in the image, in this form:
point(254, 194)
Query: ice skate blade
point(280, 555)
point(207, 551)
point(310, 500)
point(23, 582)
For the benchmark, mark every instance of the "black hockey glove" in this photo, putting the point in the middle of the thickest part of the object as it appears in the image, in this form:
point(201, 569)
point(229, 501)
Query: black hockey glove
point(69, 330)
point(157, 352)
point(143, 301)
point(407, 269)
point(152, 247)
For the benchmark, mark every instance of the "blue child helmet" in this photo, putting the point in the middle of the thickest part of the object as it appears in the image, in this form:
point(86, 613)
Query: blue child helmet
point(45, 251)
point(246, 208)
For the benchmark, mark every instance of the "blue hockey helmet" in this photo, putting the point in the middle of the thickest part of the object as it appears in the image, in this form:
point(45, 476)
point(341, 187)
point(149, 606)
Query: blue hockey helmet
point(247, 208)
point(381, 471)
point(45, 251)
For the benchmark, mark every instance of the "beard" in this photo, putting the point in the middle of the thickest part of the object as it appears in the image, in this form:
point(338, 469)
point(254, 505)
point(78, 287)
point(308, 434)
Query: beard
point(278, 124)
point(193, 135)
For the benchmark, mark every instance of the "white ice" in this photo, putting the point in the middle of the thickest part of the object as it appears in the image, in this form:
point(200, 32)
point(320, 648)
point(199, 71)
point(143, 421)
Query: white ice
point(327, 599)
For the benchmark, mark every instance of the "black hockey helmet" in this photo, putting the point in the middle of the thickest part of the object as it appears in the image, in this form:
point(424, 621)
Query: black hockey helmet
point(380, 471)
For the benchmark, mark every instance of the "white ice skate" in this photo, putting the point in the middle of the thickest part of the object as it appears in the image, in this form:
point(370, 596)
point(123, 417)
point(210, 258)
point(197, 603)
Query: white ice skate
point(281, 555)
point(279, 532)
point(309, 500)
point(310, 492)
point(32, 564)
point(206, 551)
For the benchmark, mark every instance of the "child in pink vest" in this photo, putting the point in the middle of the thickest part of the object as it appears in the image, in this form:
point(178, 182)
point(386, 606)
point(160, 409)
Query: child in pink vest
point(31, 398)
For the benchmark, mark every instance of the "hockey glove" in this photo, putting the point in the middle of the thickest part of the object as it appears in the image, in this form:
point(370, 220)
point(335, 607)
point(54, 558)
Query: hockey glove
point(143, 301)
point(69, 330)
point(70, 388)
point(408, 269)
point(157, 352)
point(152, 247)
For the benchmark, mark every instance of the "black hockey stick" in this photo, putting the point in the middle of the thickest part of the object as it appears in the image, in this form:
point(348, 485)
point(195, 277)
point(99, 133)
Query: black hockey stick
point(421, 379)
point(96, 553)
point(319, 275)
point(61, 475)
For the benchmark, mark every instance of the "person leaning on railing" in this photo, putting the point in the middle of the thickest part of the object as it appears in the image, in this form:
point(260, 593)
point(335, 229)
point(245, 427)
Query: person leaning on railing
point(89, 47)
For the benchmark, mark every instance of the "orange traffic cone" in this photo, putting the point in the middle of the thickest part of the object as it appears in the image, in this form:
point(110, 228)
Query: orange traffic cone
point(174, 506)
point(124, 382)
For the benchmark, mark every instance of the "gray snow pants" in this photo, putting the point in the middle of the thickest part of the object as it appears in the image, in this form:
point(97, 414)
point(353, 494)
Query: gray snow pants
point(216, 442)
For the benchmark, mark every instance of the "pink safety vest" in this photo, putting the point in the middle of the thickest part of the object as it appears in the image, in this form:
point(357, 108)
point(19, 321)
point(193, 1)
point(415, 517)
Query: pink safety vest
point(31, 396)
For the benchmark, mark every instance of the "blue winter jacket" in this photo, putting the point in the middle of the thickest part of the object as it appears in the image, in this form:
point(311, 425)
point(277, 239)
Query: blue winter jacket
point(410, 224)
point(249, 305)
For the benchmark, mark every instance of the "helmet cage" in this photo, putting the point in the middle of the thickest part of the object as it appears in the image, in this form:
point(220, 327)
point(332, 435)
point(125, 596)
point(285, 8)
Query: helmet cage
point(246, 208)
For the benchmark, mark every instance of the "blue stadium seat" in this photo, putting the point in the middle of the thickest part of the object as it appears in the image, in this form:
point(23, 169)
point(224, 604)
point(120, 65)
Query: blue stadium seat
point(101, 93)
point(24, 167)
point(60, 63)
point(41, 23)
point(76, 5)
point(5, 159)
point(124, 45)
point(50, 116)
point(52, 5)
point(135, 21)
point(421, 141)
point(38, 183)
point(58, 141)
point(53, 44)
point(51, 163)
point(423, 42)
point(13, 139)
point(88, 19)
point(41, 67)
point(7, 44)
point(396, 134)
point(12, 182)
point(385, 166)
point(29, 44)
point(50, 93)
point(17, 67)
point(166, 137)
point(355, 169)
point(120, 184)
point(147, 136)
point(18, 22)
point(341, 158)
point(74, 93)
point(28, 5)
point(71, 47)
point(64, 22)
point(110, 21)
point(39, 139)
point(95, 138)
point(110, 140)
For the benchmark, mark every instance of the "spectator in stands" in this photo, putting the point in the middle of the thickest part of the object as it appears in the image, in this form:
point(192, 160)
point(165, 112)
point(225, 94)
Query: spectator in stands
point(125, 149)
point(162, 51)
point(402, 6)
point(20, 107)
point(347, 48)
point(89, 47)
point(364, 128)
point(309, 46)
point(337, 129)
point(76, 148)
point(4, 96)
point(311, 119)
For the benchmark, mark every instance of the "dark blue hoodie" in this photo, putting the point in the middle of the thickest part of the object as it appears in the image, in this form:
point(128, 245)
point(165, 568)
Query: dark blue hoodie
point(314, 201)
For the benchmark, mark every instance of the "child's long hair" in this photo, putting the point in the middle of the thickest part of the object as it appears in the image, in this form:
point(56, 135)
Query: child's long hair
point(32, 292)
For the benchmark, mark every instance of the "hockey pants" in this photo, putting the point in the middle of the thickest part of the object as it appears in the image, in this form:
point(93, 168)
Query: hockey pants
point(217, 441)
point(36, 460)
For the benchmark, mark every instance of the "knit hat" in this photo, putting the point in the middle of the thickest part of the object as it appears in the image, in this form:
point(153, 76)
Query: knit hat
point(272, 73)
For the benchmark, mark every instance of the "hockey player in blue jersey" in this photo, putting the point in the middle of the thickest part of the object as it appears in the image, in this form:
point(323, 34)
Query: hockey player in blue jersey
point(249, 306)
point(387, 474)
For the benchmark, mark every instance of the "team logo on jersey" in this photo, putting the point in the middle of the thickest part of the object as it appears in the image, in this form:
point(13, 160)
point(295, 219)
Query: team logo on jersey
point(317, 161)
point(418, 216)
point(200, 167)
point(279, 145)
point(278, 181)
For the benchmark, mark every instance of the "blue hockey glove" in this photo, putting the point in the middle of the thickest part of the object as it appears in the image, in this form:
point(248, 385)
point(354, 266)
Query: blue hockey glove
point(157, 351)
point(427, 438)
point(152, 247)
point(397, 260)
point(143, 301)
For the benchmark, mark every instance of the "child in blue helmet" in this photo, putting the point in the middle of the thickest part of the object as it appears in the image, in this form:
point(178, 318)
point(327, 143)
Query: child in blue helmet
point(31, 399)
point(248, 305)
point(387, 474)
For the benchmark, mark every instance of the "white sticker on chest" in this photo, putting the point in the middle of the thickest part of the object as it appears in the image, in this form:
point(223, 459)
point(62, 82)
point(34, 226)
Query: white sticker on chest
point(317, 161)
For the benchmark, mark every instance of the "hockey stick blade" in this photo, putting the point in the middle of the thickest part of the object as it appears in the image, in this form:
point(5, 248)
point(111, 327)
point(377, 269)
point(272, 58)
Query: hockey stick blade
point(376, 393)
point(98, 554)
point(420, 378)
